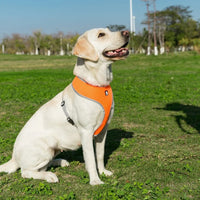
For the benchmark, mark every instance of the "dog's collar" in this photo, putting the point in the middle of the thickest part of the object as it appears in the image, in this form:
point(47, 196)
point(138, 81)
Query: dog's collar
point(109, 75)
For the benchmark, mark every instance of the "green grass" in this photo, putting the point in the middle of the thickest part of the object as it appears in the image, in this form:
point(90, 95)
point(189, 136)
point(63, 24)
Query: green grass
point(153, 143)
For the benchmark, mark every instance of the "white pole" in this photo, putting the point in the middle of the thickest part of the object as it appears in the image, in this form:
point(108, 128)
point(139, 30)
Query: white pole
point(131, 18)
point(134, 24)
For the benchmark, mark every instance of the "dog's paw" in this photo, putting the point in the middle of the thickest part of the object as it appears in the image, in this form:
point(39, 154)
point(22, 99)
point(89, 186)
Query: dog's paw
point(64, 163)
point(96, 182)
point(106, 172)
point(51, 177)
point(59, 162)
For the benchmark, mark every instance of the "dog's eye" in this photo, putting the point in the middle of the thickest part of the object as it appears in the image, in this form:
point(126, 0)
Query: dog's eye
point(101, 35)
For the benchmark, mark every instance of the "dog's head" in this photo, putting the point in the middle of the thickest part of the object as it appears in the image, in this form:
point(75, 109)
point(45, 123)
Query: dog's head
point(102, 44)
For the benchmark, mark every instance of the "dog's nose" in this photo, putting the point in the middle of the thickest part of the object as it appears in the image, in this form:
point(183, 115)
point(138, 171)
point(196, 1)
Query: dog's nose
point(125, 33)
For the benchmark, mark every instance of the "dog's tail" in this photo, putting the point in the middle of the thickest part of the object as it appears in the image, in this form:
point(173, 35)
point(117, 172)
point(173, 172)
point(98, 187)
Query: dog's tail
point(9, 167)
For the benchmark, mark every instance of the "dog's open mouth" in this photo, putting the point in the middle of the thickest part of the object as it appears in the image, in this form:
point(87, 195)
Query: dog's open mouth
point(117, 53)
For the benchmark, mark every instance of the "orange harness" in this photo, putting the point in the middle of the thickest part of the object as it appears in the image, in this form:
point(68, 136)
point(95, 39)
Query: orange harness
point(100, 95)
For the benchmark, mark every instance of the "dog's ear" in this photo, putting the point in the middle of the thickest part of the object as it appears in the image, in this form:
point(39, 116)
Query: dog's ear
point(84, 49)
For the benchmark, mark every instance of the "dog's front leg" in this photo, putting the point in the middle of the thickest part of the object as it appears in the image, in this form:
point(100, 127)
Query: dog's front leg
point(100, 149)
point(89, 157)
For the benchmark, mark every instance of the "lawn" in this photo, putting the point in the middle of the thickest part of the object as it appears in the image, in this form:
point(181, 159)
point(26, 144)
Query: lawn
point(153, 143)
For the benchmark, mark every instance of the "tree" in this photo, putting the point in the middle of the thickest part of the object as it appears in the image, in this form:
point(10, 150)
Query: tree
point(6, 44)
point(154, 29)
point(190, 27)
point(161, 28)
point(198, 28)
point(14, 44)
point(175, 20)
point(69, 42)
point(148, 22)
point(116, 27)
point(37, 40)
point(173, 25)
point(196, 43)
point(140, 41)
point(18, 42)
point(47, 44)
point(183, 42)
point(29, 45)
point(38, 43)
point(168, 46)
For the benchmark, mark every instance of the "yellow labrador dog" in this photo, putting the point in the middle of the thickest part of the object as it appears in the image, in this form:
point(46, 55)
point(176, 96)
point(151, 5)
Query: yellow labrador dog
point(48, 132)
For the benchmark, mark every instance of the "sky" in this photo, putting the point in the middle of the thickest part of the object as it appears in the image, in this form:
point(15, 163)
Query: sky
point(76, 16)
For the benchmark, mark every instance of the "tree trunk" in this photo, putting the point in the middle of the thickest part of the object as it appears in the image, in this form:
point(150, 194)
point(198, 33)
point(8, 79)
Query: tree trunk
point(154, 30)
point(49, 52)
point(148, 50)
point(36, 50)
point(162, 50)
point(3, 49)
point(149, 37)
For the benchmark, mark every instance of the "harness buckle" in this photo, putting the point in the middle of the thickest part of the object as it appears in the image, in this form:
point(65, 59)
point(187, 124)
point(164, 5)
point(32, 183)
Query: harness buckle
point(70, 121)
point(66, 113)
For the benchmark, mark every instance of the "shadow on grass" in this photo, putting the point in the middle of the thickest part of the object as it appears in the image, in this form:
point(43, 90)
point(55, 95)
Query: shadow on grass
point(191, 115)
point(113, 140)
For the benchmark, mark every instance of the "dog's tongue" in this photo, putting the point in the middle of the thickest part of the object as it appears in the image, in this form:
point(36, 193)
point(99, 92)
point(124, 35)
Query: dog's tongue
point(119, 50)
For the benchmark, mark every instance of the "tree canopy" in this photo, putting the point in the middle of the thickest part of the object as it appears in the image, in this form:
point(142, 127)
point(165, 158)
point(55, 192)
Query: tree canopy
point(39, 43)
point(174, 27)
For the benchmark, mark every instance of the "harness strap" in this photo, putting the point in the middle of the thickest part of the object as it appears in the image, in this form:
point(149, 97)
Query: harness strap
point(66, 113)
point(101, 95)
